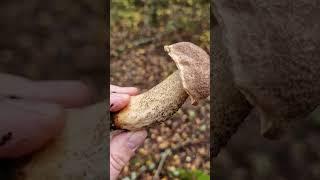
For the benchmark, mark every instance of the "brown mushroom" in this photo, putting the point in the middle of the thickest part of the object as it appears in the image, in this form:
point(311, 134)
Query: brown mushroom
point(77, 153)
point(162, 101)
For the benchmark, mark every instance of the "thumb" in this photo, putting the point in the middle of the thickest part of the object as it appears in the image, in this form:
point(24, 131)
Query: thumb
point(122, 148)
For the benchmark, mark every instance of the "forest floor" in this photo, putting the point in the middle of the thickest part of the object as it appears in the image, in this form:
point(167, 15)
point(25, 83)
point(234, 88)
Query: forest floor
point(184, 139)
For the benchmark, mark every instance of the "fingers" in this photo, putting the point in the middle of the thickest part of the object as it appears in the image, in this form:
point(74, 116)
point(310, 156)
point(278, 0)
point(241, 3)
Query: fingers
point(115, 133)
point(122, 148)
point(26, 126)
point(120, 96)
point(67, 93)
point(118, 101)
point(124, 90)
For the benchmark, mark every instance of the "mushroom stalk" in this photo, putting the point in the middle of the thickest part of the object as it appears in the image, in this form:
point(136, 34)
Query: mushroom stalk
point(156, 105)
point(162, 101)
point(77, 153)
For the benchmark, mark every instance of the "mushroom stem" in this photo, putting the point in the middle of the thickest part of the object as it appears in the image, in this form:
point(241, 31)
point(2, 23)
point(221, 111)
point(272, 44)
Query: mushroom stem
point(156, 105)
point(162, 101)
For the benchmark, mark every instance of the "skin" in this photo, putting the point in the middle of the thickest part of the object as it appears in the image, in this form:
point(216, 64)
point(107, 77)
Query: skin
point(51, 99)
point(123, 144)
point(63, 161)
point(21, 110)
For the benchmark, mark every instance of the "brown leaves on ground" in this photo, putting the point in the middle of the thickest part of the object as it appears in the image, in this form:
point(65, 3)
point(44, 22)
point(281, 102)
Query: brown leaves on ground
point(185, 135)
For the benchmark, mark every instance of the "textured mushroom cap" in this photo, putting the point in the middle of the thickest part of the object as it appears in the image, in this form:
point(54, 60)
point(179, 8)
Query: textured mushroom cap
point(194, 65)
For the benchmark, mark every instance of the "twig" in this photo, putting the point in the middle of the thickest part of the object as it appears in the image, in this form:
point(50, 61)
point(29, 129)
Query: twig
point(169, 151)
point(143, 41)
point(188, 143)
point(162, 160)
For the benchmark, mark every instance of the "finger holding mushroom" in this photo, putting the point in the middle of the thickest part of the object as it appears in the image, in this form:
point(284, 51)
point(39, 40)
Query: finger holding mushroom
point(160, 102)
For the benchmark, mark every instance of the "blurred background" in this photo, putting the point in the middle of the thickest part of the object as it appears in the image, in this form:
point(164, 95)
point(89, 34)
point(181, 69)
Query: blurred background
point(250, 156)
point(139, 30)
point(60, 39)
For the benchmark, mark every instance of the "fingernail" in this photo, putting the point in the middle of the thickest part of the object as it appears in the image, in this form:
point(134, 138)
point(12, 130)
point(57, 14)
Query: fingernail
point(136, 139)
point(134, 90)
point(116, 98)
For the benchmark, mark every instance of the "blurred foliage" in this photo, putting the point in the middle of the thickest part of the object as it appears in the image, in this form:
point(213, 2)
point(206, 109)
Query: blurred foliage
point(163, 15)
point(185, 174)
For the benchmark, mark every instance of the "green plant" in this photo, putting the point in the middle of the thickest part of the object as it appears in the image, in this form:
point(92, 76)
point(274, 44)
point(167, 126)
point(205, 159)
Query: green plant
point(185, 174)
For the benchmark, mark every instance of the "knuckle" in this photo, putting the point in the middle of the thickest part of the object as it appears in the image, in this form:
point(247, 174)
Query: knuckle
point(117, 161)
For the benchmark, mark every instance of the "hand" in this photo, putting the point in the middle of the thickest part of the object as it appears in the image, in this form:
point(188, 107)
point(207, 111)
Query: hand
point(124, 144)
point(32, 112)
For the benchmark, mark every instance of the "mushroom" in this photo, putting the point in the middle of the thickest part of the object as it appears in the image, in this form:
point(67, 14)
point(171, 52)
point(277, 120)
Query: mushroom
point(262, 71)
point(77, 153)
point(162, 101)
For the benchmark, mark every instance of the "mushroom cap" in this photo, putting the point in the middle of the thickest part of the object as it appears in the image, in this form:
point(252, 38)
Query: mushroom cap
point(194, 66)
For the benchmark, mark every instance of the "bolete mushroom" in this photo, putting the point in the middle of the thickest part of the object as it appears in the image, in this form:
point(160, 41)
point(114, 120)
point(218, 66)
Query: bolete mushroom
point(79, 152)
point(268, 66)
point(162, 101)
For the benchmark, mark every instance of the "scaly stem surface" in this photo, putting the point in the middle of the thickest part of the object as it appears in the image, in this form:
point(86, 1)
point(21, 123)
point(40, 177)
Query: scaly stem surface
point(156, 105)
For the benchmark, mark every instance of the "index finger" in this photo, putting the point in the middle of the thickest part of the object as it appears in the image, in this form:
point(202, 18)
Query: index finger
point(67, 93)
point(124, 90)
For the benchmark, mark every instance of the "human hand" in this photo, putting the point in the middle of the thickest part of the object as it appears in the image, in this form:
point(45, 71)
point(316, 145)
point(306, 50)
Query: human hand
point(124, 144)
point(32, 112)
